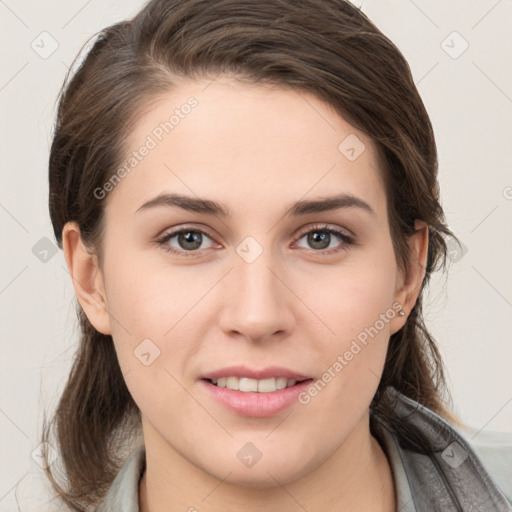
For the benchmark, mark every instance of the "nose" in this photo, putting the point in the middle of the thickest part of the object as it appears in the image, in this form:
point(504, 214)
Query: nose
point(257, 301)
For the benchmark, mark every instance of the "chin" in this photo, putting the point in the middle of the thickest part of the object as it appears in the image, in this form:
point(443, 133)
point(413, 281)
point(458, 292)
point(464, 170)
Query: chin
point(272, 472)
point(258, 479)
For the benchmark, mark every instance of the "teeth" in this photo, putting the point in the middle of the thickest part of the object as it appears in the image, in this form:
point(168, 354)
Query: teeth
point(281, 382)
point(263, 385)
point(232, 382)
point(247, 385)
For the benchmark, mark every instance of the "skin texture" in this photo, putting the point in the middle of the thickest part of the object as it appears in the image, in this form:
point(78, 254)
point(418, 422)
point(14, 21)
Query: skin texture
point(257, 149)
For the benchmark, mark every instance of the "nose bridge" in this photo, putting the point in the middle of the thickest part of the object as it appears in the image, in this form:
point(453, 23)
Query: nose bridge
point(256, 303)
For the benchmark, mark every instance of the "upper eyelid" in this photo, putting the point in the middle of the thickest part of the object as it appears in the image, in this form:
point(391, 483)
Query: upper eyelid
point(176, 231)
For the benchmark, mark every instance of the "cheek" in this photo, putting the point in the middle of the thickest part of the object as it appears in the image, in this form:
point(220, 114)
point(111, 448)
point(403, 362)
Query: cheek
point(357, 308)
point(154, 312)
point(149, 339)
point(146, 297)
point(353, 297)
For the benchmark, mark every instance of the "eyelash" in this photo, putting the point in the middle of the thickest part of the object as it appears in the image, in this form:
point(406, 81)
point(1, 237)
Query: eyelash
point(347, 240)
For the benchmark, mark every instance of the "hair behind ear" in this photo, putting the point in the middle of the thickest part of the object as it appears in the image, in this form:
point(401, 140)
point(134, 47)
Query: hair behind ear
point(94, 405)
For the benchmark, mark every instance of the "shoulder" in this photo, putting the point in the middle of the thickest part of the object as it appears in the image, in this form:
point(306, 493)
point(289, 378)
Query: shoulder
point(443, 469)
point(495, 451)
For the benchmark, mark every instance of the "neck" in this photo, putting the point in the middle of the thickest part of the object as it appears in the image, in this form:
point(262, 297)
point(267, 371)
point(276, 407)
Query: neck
point(357, 477)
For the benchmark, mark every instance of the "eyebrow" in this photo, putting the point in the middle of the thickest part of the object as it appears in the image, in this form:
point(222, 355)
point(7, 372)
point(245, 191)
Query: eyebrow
point(209, 207)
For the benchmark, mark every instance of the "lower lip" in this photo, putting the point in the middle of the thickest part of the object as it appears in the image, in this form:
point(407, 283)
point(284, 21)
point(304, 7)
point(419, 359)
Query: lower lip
point(254, 404)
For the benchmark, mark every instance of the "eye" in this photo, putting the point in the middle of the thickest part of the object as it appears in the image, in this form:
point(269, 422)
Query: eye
point(320, 238)
point(189, 241)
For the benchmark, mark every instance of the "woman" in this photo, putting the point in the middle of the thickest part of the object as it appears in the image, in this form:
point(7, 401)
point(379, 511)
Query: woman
point(246, 195)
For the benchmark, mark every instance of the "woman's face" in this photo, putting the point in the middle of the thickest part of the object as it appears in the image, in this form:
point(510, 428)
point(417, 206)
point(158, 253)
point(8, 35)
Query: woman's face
point(255, 280)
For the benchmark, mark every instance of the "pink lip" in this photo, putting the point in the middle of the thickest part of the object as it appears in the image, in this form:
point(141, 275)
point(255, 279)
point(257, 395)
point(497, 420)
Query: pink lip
point(254, 404)
point(264, 373)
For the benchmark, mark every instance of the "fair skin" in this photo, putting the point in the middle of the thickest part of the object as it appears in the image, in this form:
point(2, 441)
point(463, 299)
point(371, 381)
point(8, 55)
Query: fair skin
point(257, 150)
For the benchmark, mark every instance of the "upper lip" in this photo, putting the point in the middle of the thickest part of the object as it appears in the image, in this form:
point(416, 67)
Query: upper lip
point(252, 373)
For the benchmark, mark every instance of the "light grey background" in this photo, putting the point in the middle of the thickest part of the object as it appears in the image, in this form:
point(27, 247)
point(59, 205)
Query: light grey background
point(469, 98)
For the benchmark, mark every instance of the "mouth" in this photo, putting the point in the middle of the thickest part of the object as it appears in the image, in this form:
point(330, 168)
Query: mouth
point(255, 392)
point(255, 398)
point(248, 385)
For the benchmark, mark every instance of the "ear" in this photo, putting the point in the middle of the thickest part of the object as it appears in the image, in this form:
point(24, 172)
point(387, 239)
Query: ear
point(408, 282)
point(86, 277)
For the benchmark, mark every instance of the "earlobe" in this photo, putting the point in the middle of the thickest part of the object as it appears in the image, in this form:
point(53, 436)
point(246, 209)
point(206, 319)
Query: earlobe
point(409, 281)
point(86, 278)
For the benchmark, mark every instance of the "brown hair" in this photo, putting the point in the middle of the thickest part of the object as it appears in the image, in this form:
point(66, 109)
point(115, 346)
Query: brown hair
point(325, 47)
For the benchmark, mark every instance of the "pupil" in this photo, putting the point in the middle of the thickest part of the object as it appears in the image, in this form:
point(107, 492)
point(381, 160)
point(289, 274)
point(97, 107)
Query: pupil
point(190, 237)
point(314, 239)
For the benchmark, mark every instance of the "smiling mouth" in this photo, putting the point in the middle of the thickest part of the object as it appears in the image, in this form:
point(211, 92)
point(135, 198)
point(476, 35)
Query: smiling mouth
point(248, 385)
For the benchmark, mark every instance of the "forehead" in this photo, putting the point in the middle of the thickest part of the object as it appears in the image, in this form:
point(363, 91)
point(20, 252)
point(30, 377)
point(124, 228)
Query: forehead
point(245, 144)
